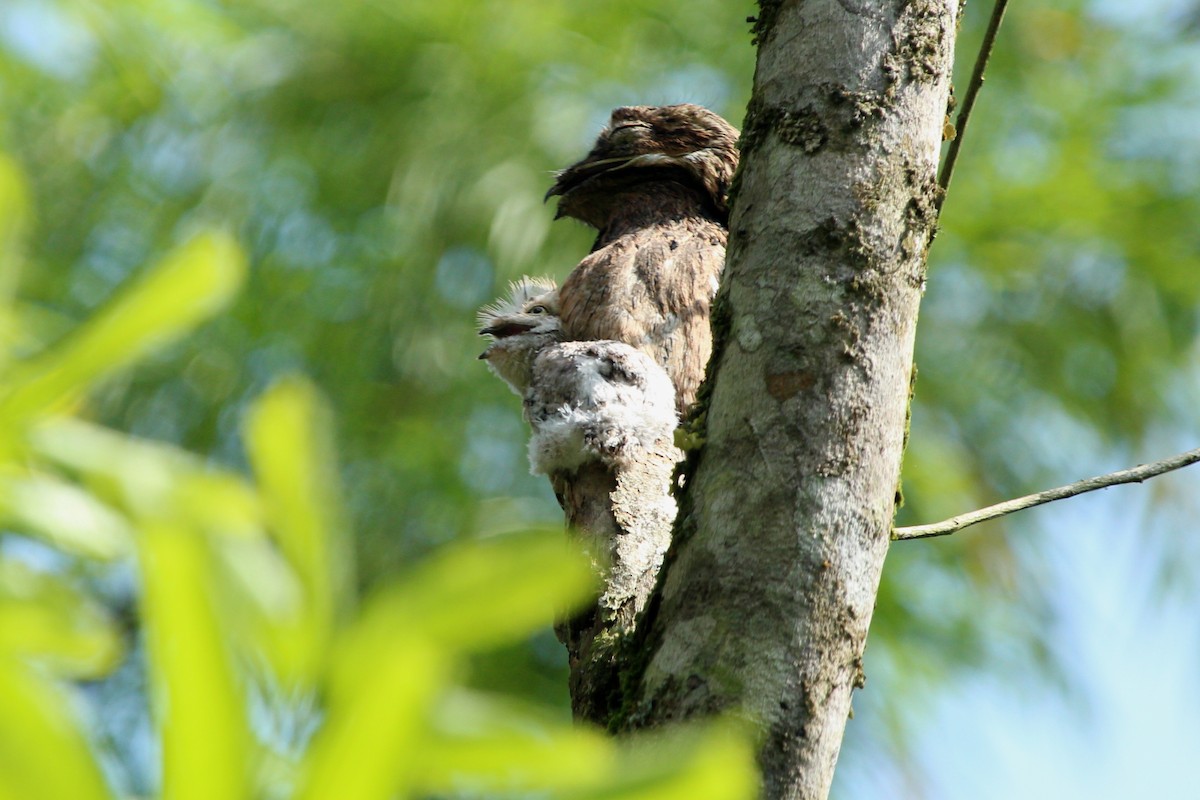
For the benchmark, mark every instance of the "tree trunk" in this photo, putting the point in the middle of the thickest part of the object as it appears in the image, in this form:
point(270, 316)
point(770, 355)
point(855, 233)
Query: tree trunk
point(771, 580)
point(622, 515)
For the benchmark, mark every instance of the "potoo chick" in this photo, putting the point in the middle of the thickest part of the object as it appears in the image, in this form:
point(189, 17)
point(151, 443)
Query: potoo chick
point(585, 401)
point(655, 186)
point(520, 325)
point(603, 419)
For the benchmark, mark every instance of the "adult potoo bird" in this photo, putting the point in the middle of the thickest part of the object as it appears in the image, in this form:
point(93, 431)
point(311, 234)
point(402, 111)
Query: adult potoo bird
point(655, 186)
point(585, 401)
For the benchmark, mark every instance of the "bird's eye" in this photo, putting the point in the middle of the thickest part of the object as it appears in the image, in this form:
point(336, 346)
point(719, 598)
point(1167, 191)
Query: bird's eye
point(538, 310)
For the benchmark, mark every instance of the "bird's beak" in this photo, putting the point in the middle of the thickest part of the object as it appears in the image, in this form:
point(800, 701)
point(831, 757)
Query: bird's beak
point(505, 328)
point(574, 175)
point(557, 189)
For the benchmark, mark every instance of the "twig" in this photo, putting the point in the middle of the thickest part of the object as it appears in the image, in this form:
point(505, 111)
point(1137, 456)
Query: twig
point(1134, 475)
point(964, 115)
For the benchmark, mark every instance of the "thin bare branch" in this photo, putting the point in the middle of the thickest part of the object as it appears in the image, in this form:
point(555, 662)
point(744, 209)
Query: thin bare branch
point(1134, 475)
point(964, 115)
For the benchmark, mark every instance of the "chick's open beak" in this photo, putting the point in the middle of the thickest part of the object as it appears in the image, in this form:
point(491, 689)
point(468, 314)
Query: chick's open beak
point(505, 328)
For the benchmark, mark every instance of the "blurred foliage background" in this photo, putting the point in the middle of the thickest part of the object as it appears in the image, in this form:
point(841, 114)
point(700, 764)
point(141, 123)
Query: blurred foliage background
point(382, 163)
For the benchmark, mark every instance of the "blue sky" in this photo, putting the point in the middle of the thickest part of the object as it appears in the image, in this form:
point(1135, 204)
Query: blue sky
point(1124, 722)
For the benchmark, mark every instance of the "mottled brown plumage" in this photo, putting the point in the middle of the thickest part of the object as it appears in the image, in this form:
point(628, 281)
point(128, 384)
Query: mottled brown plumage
point(655, 187)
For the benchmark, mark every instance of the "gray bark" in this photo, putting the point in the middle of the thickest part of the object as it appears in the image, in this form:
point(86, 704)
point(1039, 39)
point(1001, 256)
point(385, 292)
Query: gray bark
point(771, 580)
point(622, 515)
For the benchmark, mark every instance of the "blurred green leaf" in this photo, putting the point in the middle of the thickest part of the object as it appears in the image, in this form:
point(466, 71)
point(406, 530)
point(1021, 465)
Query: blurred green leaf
point(368, 747)
point(44, 619)
point(489, 744)
point(290, 448)
point(187, 287)
point(390, 665)
point(480, 594)
point(43, 755)
point(150, 480)
point(14, 216)
point(198, 703)
point(713, 760)
point(64, 515)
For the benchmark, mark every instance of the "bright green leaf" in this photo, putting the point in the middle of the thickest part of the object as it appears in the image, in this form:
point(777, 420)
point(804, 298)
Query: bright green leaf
point(489, 744)
point(64, 515)
point(289, 442)
point(187, 287)
point(715, 761)
point(150, 480)
point(14, 213)
point(368, 748)
point(14, 216)
point(43, 755)
point(481, 594)
point(219, 503)
point(43, 618)
point(197, 698)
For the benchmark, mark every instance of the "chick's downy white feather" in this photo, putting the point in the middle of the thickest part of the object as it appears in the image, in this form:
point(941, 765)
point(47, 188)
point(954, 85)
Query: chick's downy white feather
point(596, 401)
point(585, 401)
